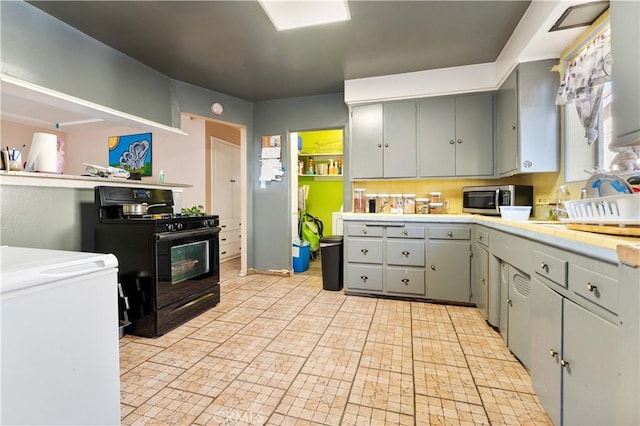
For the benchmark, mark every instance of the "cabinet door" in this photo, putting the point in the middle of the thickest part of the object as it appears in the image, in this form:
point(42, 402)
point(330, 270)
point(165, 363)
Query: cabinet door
point(399, 159)
point(546, 340)
point(519, 337)
point(437, 137)
point(590, 373)
point(363, 277)
point(480, 288)
point(366, 141)
point(507, 125)
point(449, 270)
point(225, 179)
point(474, 135)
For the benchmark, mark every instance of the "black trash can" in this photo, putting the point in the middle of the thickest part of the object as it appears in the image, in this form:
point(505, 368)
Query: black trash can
point(331, 256)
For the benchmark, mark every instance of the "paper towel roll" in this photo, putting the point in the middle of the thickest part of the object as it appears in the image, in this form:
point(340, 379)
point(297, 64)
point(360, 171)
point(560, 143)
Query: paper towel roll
point(43, 153)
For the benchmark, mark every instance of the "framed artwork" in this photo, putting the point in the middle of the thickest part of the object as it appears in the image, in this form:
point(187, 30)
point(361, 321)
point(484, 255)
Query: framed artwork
point(131, 152)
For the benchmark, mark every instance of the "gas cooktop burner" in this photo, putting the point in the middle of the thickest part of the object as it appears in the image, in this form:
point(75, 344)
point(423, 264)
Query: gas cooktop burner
point(161, 216)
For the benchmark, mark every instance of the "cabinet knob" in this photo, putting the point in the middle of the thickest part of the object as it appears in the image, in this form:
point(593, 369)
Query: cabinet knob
point(553, 352)
point(591, 287)
point(564, 363)
point(364, 231)
point(433, 267)
point(386, 145)
point(405, 253)
point(450, 234)
point(480, 237)
point(405, 280)
point(544, 267)
point(459, 140)
point(379, 145)
point(513, 127)
point(405, 232)
point(364, 251)
point(364, 277)
point(482, 280)
point(451, 141)
point(509, 302)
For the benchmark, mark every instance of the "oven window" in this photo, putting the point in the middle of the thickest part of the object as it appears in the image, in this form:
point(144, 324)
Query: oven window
point(189, 261)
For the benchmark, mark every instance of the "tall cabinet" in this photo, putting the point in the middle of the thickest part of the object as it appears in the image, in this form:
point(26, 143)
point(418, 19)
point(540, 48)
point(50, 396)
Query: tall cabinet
point(226, 196)
point(527, 138)
point(456, 136)
point(383, 140)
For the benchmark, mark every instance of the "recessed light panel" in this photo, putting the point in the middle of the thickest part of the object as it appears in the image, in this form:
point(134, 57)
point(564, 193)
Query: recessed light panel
point(287, 15)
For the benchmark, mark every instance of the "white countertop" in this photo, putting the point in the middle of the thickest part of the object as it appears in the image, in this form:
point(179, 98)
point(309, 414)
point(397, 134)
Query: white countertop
point(600, 246)
point(75, 181)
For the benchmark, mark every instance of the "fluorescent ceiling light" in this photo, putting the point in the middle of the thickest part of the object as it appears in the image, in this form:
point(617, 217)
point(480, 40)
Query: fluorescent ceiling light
point(286, 14)
point(580, 16)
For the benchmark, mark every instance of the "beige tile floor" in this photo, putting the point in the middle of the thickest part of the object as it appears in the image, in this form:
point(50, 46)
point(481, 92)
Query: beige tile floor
point(283, 351)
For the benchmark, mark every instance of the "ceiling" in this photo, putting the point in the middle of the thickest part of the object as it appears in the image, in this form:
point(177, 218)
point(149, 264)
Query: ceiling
point(231, 46)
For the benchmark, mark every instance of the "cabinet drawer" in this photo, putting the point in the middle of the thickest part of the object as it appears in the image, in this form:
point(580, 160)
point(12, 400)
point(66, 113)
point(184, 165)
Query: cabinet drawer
point(406, 232)
point(364, 250)
point(230, 250)
point(363, 230)
point(409, 253)
point(229, 237)
point(482, 237)
point(230, 223)
point(361, 277)
point(450, 233)
point(408, 281)
point(595, 287)
point(550, 267)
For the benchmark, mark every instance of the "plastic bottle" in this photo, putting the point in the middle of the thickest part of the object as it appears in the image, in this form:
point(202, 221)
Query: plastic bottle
point(310, 166)
point(161, 176)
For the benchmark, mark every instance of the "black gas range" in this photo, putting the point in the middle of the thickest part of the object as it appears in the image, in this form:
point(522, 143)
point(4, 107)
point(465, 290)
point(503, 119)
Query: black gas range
point(169, 266)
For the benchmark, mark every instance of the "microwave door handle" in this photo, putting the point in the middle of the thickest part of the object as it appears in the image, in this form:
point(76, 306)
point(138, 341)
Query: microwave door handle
point(497, 201)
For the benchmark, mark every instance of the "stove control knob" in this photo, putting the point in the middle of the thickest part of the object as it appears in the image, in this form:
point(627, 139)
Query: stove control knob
point(169, 226)
point(209, 222)
point(179, 225)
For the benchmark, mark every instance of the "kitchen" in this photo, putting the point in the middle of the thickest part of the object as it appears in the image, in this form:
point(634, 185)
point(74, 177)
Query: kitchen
point(267, 117)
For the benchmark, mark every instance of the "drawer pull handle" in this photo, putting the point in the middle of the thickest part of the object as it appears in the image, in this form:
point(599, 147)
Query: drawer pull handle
point(564, 363)
point(223, 239)
point(433, 267)
point(591, 287)
point(364, 277)
point(405, 280)
point(450, 234)
point(405, 253)
point(364, 251)
point(553, 353)
point(544, 267)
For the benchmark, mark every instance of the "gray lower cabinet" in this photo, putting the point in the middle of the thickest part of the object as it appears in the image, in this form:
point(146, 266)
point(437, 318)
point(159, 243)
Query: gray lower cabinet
point(385, 258)
point(519, 315)
point(383, 140)
point(480, 289)
point(449, 273)
point(574, 341)
point(456, 136)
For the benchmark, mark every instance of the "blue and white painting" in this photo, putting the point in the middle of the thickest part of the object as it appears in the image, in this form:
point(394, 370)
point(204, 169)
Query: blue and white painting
point(131, 152)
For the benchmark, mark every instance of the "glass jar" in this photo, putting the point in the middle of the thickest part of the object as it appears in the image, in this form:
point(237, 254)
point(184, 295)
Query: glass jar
point(383, 203)
point(435, 208)
point(358, 200)
point(436, 197)
point(409, 206)
point(562, 195)
point(371, 203)
point(422, 205)
point(395, 203)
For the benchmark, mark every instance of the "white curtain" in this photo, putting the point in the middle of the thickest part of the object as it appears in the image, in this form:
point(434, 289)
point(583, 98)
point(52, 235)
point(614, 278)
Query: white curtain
point(583, 82)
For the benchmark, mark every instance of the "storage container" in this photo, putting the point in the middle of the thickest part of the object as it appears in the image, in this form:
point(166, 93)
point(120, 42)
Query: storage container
point(358, 200)
point(519, 213)
point(422, 205)
point(436, 197)
point(435, 208)
point(409, 206)
point(383, 203)
point(372, 200)
point(396, 202)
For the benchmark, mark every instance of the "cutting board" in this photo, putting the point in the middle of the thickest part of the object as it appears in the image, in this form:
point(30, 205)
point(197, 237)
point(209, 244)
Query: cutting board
point(630, 230)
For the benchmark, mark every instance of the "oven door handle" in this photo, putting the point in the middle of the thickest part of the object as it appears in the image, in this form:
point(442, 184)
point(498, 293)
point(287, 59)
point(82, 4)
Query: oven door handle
point(167, 236)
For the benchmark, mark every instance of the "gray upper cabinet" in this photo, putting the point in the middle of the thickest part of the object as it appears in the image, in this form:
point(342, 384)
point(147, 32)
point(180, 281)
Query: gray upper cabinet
point(456, 136)
point(625, 52)
point(383, 140)
point(527, 137)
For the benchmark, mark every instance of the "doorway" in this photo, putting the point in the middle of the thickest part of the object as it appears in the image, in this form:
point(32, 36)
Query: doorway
point(317, 185)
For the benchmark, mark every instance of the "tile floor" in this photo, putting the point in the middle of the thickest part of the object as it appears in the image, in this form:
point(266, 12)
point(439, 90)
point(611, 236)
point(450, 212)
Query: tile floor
point(282, 351)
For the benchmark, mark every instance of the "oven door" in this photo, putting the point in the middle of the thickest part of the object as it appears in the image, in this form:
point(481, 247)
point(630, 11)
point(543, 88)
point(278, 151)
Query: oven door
point(187, 263)
point(484, 202)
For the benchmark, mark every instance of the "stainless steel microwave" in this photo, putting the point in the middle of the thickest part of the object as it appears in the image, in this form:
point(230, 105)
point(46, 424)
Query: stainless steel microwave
point(488, 199)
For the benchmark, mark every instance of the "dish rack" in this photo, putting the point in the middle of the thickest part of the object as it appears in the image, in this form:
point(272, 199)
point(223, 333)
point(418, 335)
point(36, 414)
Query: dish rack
point(621, 210)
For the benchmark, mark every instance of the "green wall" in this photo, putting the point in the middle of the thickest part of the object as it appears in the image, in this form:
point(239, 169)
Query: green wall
point(325, 197)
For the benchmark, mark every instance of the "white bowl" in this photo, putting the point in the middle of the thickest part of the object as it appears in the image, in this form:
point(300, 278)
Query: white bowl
point(515, 212)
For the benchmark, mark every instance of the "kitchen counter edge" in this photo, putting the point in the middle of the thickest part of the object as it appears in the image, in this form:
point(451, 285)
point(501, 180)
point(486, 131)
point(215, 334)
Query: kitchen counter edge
point(76, 181)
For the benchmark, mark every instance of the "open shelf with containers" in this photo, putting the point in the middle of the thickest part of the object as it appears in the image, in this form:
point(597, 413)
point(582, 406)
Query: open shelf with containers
point(322, 165)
